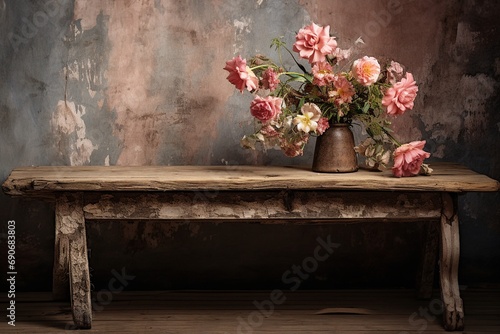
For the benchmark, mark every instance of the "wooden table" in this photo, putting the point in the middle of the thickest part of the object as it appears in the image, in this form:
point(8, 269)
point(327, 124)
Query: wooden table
point(247, 193)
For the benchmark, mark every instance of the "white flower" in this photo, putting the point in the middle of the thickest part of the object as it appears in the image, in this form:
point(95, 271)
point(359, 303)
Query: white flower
point(308, 121)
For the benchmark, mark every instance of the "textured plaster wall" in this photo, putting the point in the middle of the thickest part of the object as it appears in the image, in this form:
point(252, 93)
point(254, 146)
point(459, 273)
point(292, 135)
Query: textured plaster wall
point(141, 83)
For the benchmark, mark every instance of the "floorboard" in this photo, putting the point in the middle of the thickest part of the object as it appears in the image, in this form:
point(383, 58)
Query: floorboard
point(224, 312)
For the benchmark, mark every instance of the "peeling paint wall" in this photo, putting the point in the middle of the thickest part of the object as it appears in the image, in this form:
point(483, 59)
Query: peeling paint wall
point(89, 82)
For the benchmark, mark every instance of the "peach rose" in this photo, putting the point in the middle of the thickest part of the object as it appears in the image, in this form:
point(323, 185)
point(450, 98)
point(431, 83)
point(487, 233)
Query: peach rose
point(240, 75)
point(366, 70)
point(401, 96)
point(408, 159)
point(314, 43)
point(266, 109)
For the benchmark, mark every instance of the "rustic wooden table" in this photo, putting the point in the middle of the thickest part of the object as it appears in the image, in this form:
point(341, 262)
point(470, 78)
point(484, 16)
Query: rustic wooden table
point(247, 193)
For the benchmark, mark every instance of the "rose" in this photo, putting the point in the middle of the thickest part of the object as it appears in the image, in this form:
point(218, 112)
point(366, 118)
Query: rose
point(266, 109)
point(408, 159)
point(314, 43)
point(366, 70)
point(401, 96)
point(240, 75)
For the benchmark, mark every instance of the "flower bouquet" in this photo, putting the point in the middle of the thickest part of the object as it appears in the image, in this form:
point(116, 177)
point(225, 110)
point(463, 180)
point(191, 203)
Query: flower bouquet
point(290, 106)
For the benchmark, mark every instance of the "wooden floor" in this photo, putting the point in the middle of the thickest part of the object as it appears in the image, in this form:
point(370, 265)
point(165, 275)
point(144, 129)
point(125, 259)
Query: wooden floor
point(345, 311)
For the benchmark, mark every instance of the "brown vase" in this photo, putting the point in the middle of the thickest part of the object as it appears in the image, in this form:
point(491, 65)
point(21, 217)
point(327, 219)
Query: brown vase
point(334, 152)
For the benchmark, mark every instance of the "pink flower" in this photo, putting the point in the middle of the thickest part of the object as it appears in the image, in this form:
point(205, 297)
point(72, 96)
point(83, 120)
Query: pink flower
point(323, 125)
point(240, 75)
point(314, 43)
point(266, 109)
point(401, 96)
point(394, 72)
point(323, 73)
point(408, 159)
point(270, 79)
point(366, 70)
point(343, 92)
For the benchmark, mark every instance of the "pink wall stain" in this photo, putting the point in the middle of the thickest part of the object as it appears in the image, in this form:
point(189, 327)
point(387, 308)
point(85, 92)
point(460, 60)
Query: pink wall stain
point(152, 44)
point(70, 133)
point(131, 33)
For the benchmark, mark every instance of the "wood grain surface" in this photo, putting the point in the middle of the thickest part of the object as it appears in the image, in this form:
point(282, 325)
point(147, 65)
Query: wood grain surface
point(26, 181)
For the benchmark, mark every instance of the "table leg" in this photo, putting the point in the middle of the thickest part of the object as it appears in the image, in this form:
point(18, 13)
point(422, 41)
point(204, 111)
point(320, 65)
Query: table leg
point(453, 312)
point(72, 254)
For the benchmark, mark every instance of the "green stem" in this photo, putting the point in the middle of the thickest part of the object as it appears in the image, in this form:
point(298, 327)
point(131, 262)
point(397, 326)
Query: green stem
point(393, 140)
point(260, 66)
point(295, 73)
point(290, 73)
point(295, 60)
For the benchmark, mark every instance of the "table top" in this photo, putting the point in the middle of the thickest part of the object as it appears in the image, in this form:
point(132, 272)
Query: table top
point(31, 181)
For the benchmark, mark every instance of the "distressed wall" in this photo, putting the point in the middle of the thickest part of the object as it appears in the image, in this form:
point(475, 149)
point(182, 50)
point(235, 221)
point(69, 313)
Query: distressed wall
point(141, 83)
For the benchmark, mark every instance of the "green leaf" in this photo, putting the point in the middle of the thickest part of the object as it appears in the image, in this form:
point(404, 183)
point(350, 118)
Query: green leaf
point(298, 78)
point(366, 107)
point(302, 68)
point(301, 103)
point(277, 42)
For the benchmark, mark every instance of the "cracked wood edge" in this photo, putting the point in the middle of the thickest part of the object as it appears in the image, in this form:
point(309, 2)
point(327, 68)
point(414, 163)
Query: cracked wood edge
point(264, 206)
